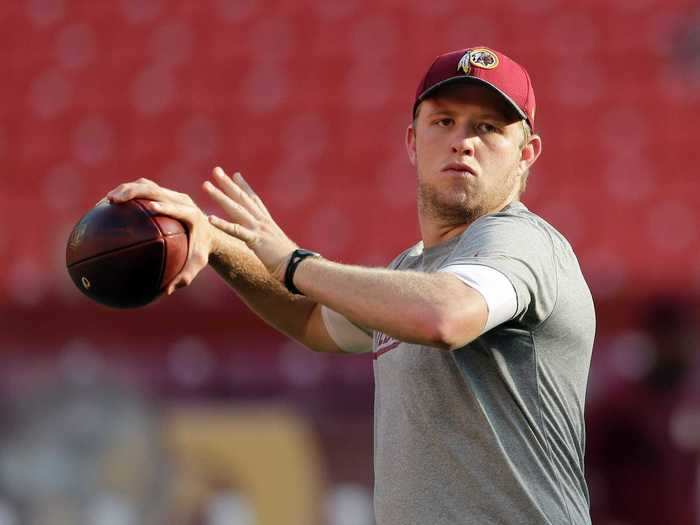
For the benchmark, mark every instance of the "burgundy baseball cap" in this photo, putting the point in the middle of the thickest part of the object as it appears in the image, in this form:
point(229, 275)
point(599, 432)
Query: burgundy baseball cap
point(485, 66)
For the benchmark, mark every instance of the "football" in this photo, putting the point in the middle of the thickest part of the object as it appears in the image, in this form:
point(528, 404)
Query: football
point(123, 256)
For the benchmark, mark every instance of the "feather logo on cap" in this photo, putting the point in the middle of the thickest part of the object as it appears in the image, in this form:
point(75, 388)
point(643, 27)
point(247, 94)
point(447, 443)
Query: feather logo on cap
point(480, 57)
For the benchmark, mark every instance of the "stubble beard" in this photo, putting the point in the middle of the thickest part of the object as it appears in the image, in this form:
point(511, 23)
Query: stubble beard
point(452, 210)
point(463, 206)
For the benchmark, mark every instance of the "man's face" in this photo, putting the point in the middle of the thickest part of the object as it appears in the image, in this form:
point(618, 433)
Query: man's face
point(469, 152)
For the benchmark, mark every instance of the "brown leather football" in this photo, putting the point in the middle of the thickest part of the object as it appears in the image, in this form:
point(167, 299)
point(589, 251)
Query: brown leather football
point(122, 256)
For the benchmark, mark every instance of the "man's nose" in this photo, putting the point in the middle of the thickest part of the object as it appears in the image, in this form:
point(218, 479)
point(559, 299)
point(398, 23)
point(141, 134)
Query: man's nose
point(463, 145)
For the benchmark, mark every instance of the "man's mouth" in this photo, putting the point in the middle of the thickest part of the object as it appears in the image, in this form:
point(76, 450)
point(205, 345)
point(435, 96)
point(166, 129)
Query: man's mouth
point(459, 168)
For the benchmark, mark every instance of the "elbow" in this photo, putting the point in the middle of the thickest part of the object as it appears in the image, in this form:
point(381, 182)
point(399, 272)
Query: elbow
point(447, 331)
point(446, 337)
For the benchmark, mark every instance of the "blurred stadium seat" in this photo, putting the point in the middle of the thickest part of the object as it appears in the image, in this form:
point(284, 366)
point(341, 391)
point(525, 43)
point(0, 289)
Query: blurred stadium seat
point(310, 100)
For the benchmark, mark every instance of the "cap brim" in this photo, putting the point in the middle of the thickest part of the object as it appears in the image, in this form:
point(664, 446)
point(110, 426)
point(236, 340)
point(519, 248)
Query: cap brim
point(469, 80)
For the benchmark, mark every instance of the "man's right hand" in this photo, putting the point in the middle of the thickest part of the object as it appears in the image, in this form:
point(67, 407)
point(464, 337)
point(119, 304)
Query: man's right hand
point(202, 235)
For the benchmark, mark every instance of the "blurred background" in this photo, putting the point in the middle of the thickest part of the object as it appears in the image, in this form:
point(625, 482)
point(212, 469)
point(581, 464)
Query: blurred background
point(191, 411)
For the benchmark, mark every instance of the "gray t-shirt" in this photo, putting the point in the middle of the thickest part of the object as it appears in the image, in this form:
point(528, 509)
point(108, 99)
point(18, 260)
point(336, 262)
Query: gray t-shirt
point(492, 433)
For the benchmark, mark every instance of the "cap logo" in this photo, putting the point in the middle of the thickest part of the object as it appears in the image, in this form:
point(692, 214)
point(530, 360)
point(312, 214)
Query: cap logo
point(480, 57)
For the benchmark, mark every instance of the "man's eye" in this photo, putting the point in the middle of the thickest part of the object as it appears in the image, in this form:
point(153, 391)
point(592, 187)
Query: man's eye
point(485, 127)
point(444, 122)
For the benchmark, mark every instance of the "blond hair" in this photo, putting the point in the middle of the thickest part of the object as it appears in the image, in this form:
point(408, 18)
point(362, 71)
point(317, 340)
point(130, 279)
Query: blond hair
point(527, 135)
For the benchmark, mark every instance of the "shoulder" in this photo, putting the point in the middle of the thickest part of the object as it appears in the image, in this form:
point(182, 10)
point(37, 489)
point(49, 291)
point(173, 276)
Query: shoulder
point(519, 244)
point(504, 231)
point(515, 215)
point(512, 229)
point(413, 251)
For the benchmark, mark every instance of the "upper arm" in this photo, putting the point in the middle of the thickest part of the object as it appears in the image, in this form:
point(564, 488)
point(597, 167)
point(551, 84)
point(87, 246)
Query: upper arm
point(522, 252)
point(495, 288)
point(464, 312)
point(328, 331)
point(317, 337)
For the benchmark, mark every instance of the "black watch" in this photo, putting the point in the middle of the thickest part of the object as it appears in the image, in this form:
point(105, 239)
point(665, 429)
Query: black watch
point(298, 255)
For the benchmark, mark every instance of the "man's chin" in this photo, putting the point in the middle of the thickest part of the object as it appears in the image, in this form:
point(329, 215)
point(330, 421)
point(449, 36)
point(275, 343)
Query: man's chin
point(455, 211)
point(457, 203)
point(453, 200)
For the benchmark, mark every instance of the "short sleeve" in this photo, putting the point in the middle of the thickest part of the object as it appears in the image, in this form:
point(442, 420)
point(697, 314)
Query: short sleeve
point(519, 248)
point(494, 287)
point(348, 336)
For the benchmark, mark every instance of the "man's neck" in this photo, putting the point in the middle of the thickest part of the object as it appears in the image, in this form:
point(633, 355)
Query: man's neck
point(435, 232)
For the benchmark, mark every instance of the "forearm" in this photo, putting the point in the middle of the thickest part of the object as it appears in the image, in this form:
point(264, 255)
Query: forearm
point(409, 306)
point(432, 309)
point(263, 294)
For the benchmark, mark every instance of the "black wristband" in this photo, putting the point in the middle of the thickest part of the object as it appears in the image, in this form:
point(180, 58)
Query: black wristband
point(297, 256)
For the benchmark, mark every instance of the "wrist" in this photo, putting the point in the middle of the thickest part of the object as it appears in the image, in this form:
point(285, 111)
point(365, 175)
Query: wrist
point(294, 260)
point(222, 244)
point(280, 270)
point(216, 245)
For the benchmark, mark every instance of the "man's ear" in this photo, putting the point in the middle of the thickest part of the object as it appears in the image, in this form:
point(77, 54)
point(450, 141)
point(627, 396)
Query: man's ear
point(530, 152)
point(411, 144)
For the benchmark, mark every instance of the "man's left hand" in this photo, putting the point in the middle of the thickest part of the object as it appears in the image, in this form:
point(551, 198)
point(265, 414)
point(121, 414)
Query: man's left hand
point(250, 221)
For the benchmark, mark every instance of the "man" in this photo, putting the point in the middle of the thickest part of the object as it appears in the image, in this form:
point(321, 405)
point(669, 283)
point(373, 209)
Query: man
point(482, 332)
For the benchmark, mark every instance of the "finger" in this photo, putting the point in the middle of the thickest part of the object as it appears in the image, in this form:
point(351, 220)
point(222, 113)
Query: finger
point(130, 190)
point(144, 189)
point(233, 229)
point(235, 192)
point(181, 212)
point(236, 212)
point(238, 179)
point(196, 262)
